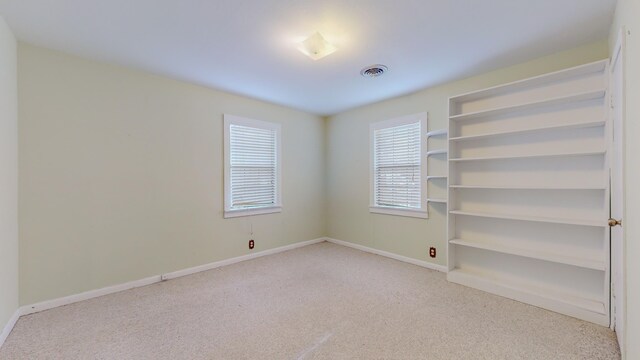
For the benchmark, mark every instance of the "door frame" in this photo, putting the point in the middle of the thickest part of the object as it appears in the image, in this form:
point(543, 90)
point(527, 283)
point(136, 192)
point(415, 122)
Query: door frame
point(618, 315)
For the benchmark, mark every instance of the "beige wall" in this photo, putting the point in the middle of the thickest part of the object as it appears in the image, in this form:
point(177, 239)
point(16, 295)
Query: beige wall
point(8, 176)
point(121, 176)
point(348, 217)
point(628, 15)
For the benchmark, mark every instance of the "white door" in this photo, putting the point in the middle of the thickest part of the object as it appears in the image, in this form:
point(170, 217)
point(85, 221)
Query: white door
point(617, 195)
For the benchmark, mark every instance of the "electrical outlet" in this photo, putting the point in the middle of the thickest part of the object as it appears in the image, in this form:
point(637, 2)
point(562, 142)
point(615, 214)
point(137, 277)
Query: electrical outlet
point(432, 252)
point(252, 244)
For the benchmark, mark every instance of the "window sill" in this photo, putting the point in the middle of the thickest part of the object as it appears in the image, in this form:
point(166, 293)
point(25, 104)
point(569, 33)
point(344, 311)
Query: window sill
point(251, 212)
point(399, 212)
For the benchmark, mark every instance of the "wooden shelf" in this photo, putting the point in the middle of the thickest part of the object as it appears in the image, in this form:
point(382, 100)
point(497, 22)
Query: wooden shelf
point(589, 95)
point(579, 125)
point(533, 156)
point(436, 177)
point(554, 220)
point(562, 75)
point(570, 303)
point(436, 152)
point(437, 133)
point(441, 201)
point(578, 257)
point(519, 187)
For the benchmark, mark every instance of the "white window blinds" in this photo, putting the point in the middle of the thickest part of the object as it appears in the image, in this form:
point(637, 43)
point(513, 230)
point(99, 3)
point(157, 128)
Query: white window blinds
point(253, 167)
point(397, 181)
point(252, 179)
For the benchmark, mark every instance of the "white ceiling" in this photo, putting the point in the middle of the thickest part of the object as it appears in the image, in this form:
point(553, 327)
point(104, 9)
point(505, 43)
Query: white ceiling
point(249, 46)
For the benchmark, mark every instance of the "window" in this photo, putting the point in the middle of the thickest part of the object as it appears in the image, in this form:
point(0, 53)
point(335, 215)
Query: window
point(252, 167)
point(398, 168)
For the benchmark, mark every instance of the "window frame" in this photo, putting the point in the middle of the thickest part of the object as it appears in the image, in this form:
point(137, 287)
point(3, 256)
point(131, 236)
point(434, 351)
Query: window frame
point(229, 212)
point(422, 212)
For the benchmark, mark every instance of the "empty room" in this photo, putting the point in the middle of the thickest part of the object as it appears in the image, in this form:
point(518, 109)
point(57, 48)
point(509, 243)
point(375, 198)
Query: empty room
point(297, 179)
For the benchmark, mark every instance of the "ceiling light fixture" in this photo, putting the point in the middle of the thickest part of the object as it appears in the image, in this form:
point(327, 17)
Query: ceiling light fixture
point(316, 47)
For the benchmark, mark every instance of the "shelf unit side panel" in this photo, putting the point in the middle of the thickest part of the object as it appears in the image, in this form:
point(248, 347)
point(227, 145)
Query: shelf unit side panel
point(451, 221)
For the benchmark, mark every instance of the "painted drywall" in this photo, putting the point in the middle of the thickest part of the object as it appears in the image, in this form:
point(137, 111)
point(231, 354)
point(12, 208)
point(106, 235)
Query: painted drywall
point(348, 216)
point(121, 175)
point(8, 176)
point(627, 15)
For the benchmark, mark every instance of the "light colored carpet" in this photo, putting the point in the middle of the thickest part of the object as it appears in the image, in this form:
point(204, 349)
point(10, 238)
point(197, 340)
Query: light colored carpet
point(322, 301)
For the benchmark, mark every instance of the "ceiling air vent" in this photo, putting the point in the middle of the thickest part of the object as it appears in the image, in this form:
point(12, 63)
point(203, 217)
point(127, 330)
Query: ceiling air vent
point(373, 70)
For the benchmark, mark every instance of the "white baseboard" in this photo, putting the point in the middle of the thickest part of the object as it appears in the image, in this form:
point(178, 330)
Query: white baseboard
point(9, 326)
point(50, 304)
point(406, 259)
point(217, 264)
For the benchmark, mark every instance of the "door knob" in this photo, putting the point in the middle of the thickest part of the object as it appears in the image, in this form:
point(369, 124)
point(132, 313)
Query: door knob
point(614, 222)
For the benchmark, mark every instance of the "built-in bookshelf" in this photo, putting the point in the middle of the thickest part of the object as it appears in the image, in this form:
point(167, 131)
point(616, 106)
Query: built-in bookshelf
point(437, 184)
point(528, 191)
